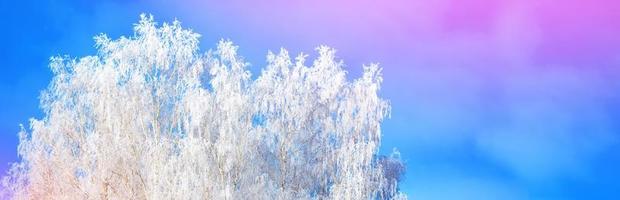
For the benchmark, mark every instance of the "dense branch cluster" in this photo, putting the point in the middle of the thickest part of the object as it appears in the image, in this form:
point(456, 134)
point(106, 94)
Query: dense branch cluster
point(150, 117)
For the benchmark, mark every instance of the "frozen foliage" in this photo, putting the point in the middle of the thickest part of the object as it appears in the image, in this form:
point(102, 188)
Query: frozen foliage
point(149, 117)
point(393, 170)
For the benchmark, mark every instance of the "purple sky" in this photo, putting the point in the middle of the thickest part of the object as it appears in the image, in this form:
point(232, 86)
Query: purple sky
point(511, 99)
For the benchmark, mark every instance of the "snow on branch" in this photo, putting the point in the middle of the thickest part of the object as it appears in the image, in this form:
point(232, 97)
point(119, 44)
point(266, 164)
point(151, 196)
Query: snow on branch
point(151, 117)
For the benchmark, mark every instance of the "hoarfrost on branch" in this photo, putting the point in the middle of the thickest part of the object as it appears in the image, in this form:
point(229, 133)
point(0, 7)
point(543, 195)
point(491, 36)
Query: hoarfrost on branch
point(150, 117)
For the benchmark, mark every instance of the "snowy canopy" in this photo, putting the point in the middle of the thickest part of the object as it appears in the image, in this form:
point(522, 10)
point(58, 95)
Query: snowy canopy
point(151, 117)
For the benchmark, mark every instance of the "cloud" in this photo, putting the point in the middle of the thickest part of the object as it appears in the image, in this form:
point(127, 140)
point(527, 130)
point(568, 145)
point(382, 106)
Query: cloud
point(551, 124)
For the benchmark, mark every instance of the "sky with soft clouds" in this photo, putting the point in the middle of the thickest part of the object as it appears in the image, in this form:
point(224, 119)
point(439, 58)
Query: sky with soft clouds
point(490, 98)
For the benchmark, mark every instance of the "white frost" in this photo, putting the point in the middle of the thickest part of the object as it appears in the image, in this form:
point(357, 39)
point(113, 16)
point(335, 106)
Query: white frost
point(150, 117)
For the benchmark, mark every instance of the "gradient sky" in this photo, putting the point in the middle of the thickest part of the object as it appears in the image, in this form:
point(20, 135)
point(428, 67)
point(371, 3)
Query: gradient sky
point(513, 99)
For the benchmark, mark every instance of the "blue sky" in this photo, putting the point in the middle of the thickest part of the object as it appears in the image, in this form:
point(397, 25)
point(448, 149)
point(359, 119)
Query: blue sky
point(490, 99)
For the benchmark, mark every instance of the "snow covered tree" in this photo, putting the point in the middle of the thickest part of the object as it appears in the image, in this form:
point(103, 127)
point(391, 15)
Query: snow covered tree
point(150, 117)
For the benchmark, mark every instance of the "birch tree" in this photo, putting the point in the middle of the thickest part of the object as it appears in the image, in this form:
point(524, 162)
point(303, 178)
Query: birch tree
point(151, 117)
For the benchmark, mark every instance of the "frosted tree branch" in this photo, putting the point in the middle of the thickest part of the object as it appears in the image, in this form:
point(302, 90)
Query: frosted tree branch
point(150, 117)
